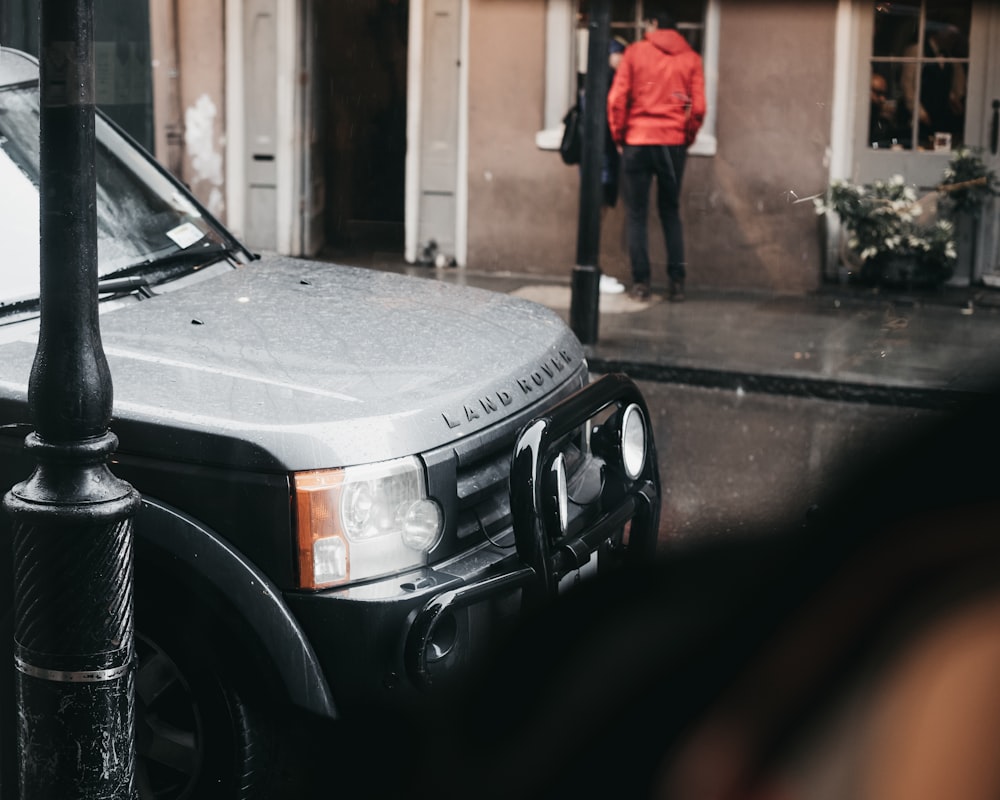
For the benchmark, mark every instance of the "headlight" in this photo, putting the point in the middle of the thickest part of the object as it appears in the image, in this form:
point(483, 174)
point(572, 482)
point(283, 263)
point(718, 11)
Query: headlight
point(621, 439)
point(558, 494)
point(633, 441)
point(365, 521)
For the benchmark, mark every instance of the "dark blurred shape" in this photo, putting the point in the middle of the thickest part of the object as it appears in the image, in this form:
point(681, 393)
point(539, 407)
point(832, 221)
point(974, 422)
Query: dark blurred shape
point(845, 656)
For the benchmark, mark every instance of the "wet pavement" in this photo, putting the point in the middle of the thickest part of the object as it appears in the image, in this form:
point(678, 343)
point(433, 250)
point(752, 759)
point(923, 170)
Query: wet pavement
point(927, 349)
point(735, 462)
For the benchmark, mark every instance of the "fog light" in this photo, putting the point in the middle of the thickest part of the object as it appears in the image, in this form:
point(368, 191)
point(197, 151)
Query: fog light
point(621, 440)
point(633, 441)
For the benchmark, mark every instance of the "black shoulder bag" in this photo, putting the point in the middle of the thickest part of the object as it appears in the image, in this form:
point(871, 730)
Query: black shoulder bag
point(570, 146)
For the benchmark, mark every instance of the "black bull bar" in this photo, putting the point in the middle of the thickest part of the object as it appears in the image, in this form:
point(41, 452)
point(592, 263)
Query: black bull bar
point(545, 554)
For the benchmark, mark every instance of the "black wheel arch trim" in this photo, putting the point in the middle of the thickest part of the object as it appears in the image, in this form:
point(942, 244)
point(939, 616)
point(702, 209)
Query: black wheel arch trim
point(250, 595)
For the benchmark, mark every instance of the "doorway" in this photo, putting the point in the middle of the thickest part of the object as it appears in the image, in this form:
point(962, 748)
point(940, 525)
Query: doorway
point(362, 97)
point(369, 137)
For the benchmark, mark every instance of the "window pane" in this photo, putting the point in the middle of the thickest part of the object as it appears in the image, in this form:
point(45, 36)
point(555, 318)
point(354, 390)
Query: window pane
point(627, 17)
point(896, 27)
point(688, 11)
point(627, 33)
point(888, 123)
point(924, 79)
point(947, 28)
point(942, 81)
point(623, 19)
point(631, 11)
point(621, 10)
point(695, 35)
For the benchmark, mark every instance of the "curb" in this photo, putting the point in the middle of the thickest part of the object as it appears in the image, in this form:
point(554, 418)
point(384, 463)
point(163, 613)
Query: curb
point(815, 388)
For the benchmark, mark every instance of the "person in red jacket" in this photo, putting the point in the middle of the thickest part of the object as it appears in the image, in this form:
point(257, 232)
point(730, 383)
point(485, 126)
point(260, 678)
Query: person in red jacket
point(655, 108)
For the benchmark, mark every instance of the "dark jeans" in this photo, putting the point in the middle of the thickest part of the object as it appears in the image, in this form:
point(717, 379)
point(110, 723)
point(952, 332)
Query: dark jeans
point(666, 163)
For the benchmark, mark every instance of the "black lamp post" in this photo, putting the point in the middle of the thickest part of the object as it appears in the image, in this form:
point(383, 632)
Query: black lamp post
point(585, 284)
point(73, 629)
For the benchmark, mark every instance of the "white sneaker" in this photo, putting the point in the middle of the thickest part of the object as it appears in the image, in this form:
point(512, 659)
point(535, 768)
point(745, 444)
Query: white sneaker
point(611, 285)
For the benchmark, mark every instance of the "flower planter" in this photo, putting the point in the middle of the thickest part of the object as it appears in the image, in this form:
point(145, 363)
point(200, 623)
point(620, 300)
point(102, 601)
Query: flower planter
point(886, 235)
point(890, 270)
point(906, 271)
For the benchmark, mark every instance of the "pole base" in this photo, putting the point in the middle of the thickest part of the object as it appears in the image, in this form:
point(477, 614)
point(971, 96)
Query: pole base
point(584, 301)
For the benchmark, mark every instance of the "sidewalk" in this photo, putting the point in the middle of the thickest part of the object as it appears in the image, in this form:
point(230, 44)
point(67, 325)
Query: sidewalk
point(928, 350)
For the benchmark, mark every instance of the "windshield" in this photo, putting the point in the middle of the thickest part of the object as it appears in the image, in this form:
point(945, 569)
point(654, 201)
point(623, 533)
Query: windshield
point(141, 215)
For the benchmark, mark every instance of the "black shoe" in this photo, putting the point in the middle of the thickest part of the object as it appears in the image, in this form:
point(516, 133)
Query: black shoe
point(675, 291)
point(640, 291)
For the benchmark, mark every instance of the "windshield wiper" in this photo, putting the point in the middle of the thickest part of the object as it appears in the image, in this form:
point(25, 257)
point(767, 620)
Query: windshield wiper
point(26, 307)
point(138, 278)
point(191, 256)
point(126, 283)
point(157, 270)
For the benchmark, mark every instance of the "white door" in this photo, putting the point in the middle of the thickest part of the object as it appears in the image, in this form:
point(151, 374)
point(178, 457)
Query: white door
point(439, 122)
point(927, 74)
point(279, 146)
point(309, 140)
point(988, 242)
point(260, 45)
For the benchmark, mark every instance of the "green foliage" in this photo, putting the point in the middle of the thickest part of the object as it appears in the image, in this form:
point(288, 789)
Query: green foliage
point(882, 220)
point(967, 184)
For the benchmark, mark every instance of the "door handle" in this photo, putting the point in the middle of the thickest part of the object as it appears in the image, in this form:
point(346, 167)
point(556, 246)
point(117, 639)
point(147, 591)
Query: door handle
point(995, 126)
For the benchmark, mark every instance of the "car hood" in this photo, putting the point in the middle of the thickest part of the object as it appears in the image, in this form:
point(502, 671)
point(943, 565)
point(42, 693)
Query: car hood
point(294, 364)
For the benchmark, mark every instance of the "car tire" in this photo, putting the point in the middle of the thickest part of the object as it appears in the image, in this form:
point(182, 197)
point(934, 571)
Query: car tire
point(199, 732)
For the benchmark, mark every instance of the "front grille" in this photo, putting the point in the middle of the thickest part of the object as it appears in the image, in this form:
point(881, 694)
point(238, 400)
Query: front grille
point(470, 477)
point(483, 499)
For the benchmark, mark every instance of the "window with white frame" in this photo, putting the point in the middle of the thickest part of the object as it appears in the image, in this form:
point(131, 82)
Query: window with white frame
point(919, 68)
point(627, 17)
point(566, 53)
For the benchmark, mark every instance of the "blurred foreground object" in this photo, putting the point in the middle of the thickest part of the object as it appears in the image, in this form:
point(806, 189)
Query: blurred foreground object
point(853, 657)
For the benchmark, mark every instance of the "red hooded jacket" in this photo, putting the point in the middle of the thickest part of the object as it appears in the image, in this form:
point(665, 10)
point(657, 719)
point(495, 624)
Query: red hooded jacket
point(658, 94)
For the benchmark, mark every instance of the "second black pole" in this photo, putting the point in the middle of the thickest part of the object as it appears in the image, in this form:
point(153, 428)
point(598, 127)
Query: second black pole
point(586, 280)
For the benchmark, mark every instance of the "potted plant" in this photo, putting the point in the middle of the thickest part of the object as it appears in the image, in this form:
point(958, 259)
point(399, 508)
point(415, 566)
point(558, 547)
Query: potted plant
point(967, 184)
point(966, 187)
point(887, 240)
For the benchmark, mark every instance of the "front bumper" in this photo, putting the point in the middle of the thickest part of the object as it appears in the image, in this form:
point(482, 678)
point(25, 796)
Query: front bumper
point(411, 632)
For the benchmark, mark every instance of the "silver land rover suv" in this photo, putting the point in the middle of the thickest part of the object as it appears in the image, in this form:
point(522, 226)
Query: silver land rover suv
point(351, 480)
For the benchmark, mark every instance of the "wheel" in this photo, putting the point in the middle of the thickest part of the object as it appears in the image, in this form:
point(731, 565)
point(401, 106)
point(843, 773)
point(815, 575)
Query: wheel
point(196, 733)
